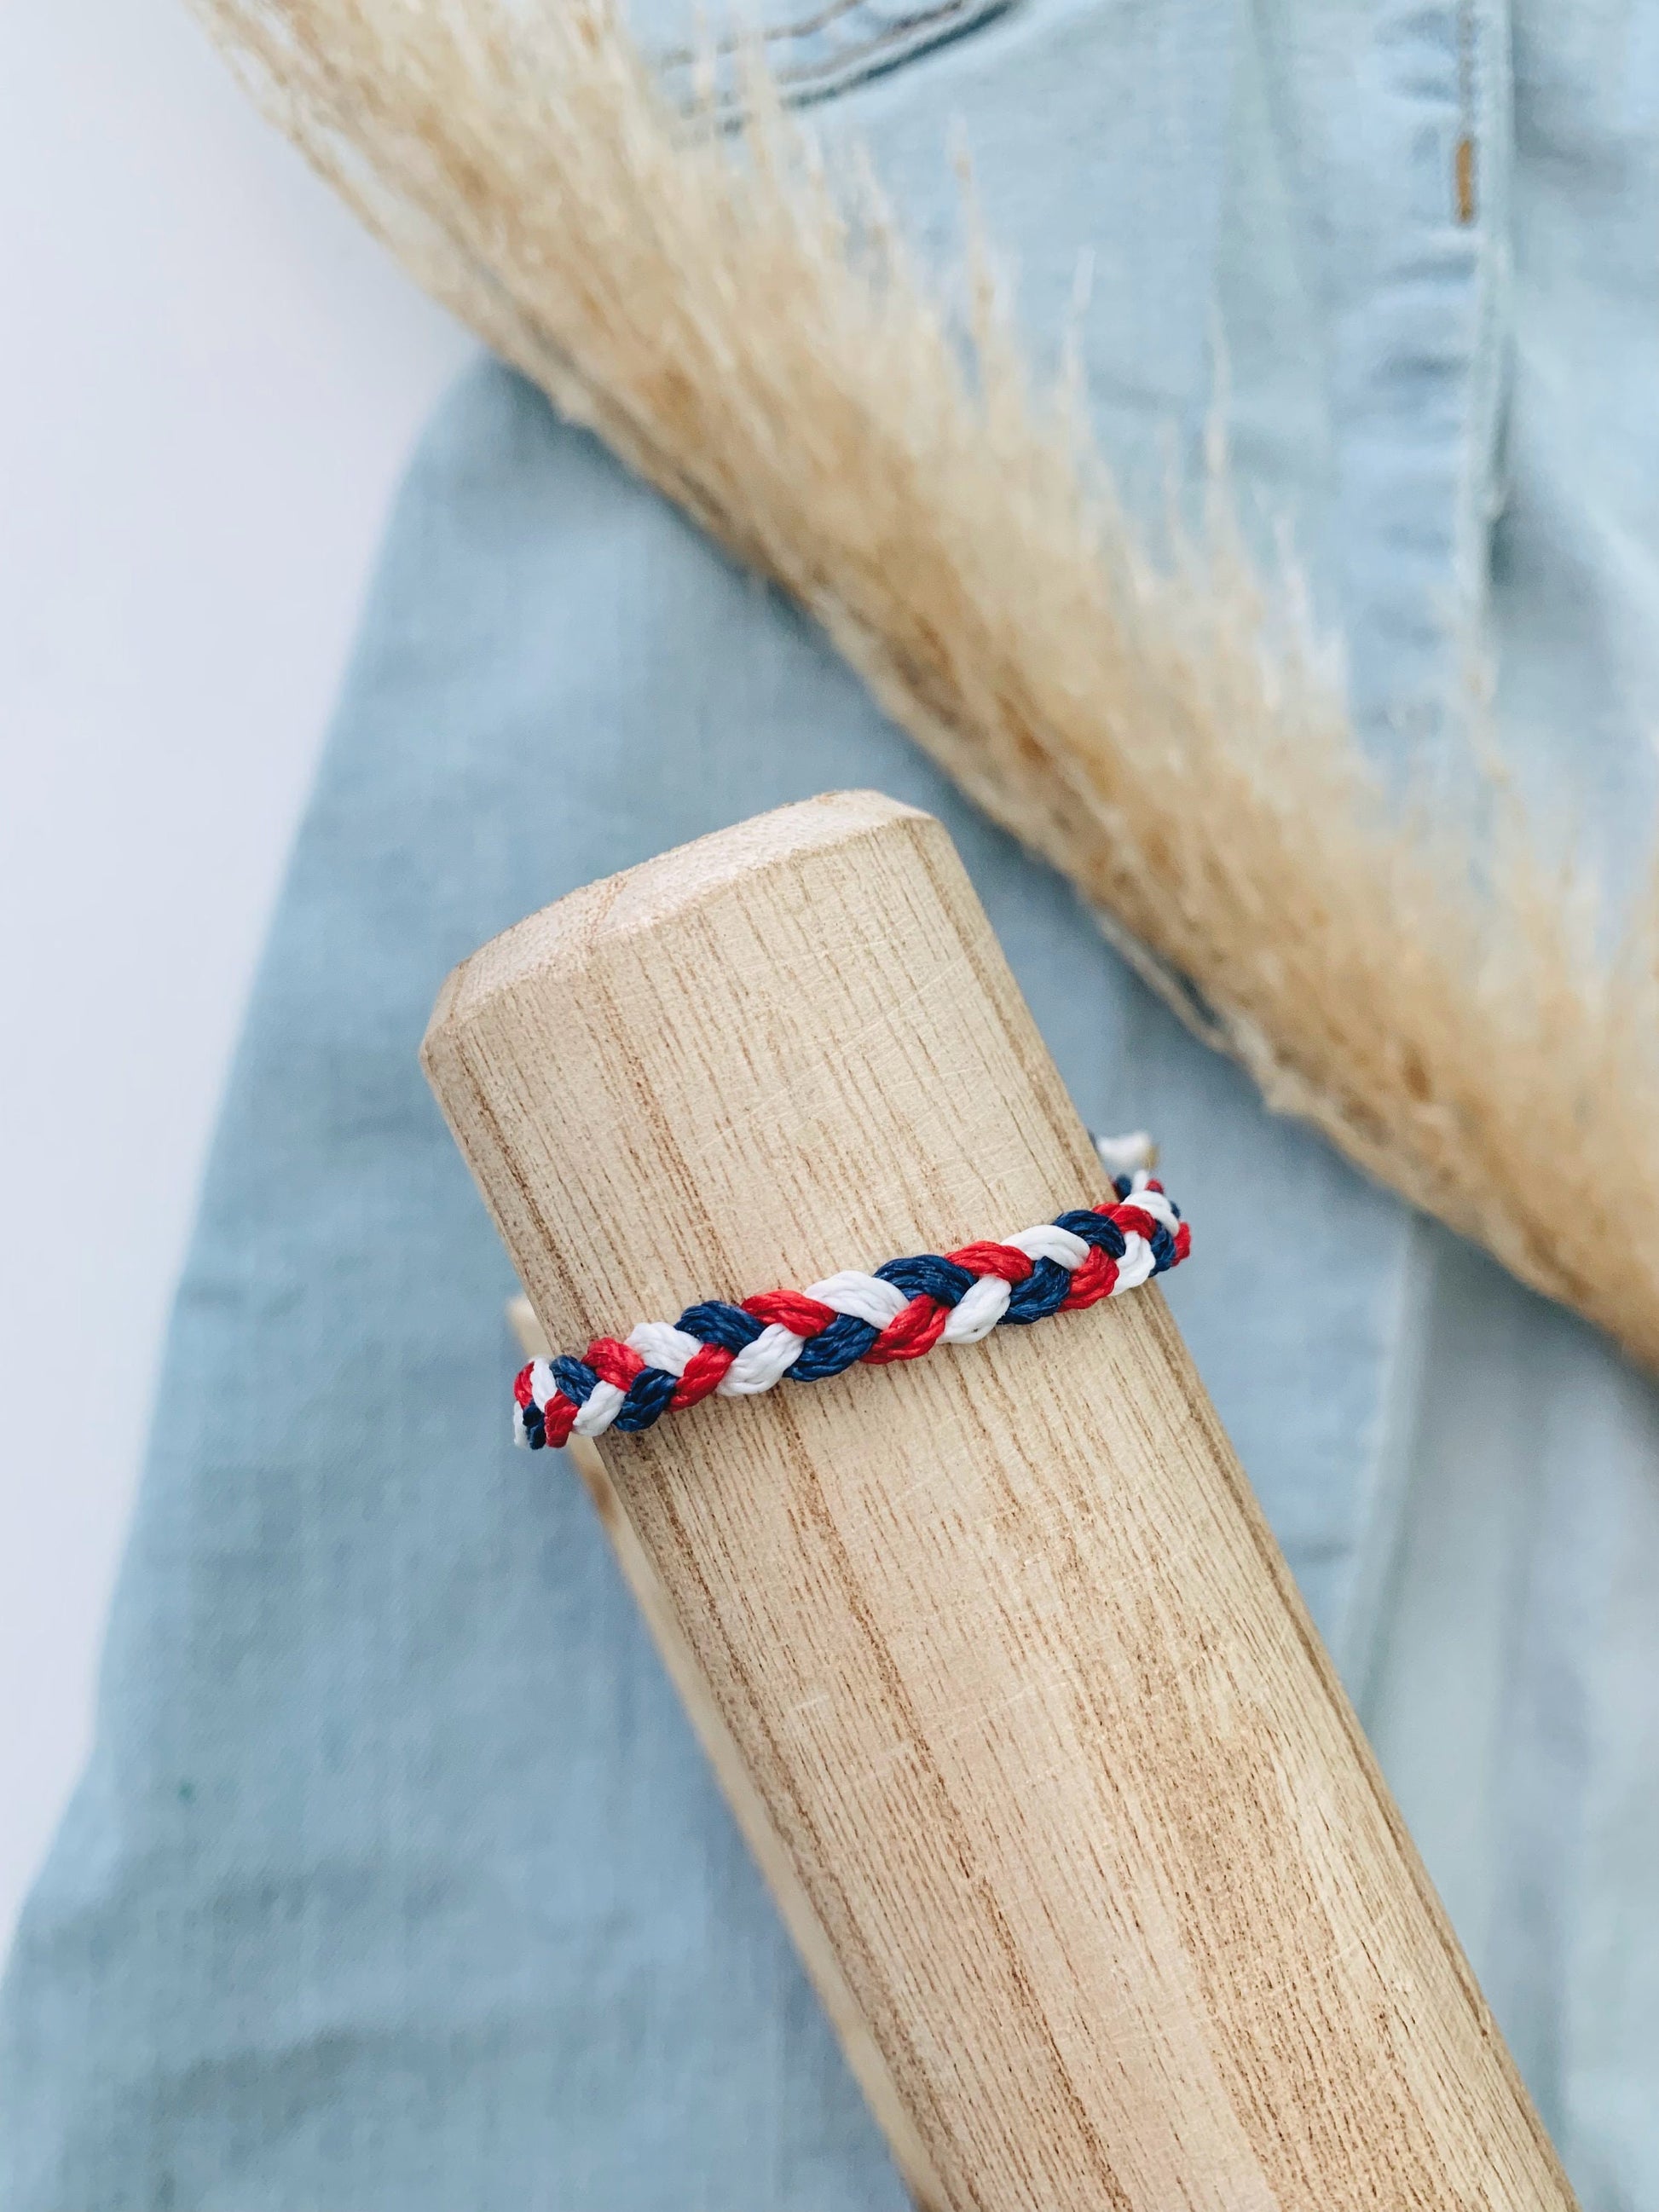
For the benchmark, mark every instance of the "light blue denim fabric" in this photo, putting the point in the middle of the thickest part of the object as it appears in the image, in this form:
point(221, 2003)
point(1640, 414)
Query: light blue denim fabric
point(396, 1880)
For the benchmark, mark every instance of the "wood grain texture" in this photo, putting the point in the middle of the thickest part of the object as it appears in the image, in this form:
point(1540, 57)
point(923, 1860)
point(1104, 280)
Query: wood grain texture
point(998, 1662)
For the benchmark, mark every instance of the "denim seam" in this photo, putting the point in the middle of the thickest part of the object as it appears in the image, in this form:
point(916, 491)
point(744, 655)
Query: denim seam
point(804, 77)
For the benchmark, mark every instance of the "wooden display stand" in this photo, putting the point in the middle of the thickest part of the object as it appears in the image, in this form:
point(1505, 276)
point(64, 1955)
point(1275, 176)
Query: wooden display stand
point(999, 1664)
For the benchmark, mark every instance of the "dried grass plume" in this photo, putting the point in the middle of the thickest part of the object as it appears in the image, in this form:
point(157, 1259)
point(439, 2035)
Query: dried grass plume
point(708, 308)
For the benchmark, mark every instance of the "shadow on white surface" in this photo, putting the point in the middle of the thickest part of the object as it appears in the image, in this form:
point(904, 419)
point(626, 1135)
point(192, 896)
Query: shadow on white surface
point(211, 383)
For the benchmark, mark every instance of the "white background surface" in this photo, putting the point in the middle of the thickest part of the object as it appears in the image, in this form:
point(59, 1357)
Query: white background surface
point(210, 384)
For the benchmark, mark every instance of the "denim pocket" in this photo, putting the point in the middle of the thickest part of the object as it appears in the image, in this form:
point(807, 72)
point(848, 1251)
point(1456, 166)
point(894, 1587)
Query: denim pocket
point(814, 49)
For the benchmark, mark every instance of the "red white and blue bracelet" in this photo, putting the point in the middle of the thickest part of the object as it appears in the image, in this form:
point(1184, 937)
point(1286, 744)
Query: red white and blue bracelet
point(900, 1312)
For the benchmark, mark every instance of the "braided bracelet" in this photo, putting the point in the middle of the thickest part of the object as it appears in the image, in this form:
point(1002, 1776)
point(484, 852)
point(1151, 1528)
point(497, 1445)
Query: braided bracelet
point(901, 1311)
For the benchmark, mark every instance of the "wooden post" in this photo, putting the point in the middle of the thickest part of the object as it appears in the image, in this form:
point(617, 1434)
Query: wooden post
point(1007, 1682)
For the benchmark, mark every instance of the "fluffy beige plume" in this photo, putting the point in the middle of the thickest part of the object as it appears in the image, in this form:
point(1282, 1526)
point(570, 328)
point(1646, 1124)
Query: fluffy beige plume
point(709, 309)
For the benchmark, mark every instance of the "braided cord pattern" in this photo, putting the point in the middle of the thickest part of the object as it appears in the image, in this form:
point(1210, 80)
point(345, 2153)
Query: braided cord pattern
point(900, 1312)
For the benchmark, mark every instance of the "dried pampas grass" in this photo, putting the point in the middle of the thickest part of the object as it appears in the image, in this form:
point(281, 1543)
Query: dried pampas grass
point(1153, 731)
